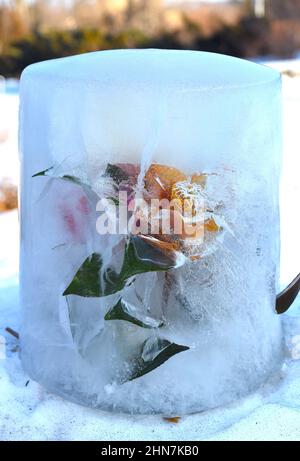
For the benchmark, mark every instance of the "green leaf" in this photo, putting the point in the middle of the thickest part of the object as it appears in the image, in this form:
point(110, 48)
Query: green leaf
point(65, 177)
point(116, 173)
point(42, 173)
point(74, 179)
point(113, 171)
point(88, 282)
point(87, 278)
point(115, 200)
point(285, 299)
point(129, 313)
point(139, 257)
point(155, 352)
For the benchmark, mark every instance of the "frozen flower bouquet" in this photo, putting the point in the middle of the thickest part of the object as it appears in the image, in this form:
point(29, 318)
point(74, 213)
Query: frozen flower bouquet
point(169, 220)
point(150, 229)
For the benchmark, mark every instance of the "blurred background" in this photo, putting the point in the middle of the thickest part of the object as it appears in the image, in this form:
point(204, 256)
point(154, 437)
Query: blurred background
point(266, 31)
point(35, 30)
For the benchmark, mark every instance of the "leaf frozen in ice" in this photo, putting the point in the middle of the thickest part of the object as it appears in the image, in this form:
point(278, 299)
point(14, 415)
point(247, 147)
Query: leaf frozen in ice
point(142, 256)
point(116, 173)
point(86, 280)
point(65, 177)
point(42, 173)
point(139, 257)
point(89, 283)
point(155, 351)
point(285, 299)
point(126, 311)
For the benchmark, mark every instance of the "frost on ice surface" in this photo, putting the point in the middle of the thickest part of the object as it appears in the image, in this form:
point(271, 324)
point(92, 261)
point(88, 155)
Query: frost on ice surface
point(270, 414)
point(128, 312)
point(149, 123)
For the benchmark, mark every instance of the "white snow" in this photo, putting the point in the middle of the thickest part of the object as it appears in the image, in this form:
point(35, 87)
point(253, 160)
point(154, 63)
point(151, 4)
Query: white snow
point(28, 412)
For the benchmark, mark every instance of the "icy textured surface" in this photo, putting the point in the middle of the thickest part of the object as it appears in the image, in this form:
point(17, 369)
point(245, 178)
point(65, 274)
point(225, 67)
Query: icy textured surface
point(29, 412)
point(196, 112)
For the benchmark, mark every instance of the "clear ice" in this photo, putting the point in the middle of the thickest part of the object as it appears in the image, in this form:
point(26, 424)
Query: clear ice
point(194, 111)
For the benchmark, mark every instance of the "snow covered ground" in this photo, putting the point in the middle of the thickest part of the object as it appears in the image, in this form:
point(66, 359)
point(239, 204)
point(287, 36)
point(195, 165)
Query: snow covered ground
point(28, 412)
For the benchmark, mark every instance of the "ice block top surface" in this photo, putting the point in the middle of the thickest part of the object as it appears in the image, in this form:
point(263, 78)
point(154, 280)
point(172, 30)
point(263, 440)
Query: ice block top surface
point(152, 67)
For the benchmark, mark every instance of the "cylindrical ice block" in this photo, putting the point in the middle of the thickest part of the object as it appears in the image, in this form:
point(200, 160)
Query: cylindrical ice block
point(148, 322)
